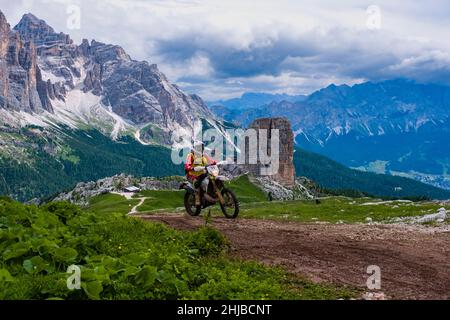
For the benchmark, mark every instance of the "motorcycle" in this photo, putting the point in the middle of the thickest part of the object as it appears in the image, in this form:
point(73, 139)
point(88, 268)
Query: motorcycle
point(212, 191)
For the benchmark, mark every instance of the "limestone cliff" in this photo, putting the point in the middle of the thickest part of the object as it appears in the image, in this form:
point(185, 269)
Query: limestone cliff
point(21, 84)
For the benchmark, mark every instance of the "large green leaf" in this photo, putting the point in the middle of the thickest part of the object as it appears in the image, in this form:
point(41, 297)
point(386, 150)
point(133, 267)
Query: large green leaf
point(98, 273)
point(35, 265)
point(65, 254)
point(16, 250)
point(92, 289)
point(5, 275)
point(146, 277)
point(130, 271)
point(43, 246)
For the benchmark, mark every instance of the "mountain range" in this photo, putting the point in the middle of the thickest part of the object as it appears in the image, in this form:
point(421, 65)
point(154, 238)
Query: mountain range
point(47, 80)
point(71, 113)
point(396, 127)
point(251, 100)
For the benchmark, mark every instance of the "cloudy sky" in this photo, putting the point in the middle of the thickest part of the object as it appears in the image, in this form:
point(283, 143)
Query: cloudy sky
point(220, 49)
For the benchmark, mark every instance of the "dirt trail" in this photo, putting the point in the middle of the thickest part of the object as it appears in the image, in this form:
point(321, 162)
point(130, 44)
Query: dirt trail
point(129, 196)
point(134, 210)
point(414, 261)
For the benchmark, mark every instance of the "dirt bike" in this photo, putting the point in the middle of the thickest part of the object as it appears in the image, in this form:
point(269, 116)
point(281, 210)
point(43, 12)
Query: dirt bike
point(212, 191)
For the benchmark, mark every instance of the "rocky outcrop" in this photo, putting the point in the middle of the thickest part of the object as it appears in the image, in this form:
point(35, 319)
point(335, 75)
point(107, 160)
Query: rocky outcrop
point(232, 170)
point(302, 189)
point(137, 91)
point(286, 172)
point(440, 216)
point(83, 191)
point(38, 31)
point(21, 84)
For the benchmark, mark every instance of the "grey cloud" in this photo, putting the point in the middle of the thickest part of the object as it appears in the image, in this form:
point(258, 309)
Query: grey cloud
point(336, 54)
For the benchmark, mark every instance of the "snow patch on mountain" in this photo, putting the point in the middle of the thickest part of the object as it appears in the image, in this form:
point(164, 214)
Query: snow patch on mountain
point(48, 75)
point(86, 109)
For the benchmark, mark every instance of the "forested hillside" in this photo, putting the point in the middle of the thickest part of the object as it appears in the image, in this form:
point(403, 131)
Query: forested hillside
point(332, 175)
point(46, 168)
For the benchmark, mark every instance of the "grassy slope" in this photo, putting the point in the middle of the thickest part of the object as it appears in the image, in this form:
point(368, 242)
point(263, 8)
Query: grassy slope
point(333, 210)
point(338, 209)
point(332, 175)
point(246, 190)
point(161, 199)
point(164, 200)
point(254, 205)
point(110, 203)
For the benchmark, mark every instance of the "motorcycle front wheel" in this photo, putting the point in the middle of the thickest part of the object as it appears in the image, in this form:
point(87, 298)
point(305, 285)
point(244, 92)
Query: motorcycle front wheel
point(231, 206)
point(189, 205)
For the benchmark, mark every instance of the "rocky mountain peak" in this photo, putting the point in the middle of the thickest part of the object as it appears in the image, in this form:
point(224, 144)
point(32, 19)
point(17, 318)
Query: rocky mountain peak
point(21, 85)
point(4, 35)
point(93, 83)
point(3, 23)
point(103, 53)
point(34, 29)
point(31, 18)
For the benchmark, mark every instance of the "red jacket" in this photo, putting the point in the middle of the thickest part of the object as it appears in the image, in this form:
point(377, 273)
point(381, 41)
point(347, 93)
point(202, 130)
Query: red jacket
point(189, 165)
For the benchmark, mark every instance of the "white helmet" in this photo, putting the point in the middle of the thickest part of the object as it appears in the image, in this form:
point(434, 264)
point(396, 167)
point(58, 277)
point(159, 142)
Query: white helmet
point(198, 146)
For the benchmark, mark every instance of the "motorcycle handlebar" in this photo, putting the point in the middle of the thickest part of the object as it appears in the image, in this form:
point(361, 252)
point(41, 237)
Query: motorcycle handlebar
point(202, 168)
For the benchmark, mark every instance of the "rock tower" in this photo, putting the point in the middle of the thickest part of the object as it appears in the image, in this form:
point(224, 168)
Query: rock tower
point(286, 171)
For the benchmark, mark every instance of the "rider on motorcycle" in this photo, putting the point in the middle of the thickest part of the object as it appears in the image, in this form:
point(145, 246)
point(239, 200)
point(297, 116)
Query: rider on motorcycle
point(196, 158)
